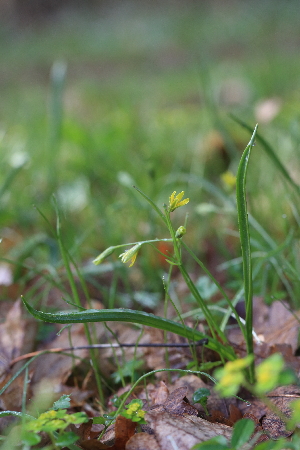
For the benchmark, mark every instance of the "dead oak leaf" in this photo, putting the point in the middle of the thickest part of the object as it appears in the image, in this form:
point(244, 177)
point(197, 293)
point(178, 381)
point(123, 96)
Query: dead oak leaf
point(173, 429)
point(123, 430)
point(161, 394)
point(142, 441)
point(177, 403)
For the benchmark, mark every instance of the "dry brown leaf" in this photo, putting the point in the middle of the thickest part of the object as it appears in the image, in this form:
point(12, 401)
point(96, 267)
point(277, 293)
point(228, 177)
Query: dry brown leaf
point(124, 429)
point(13, 337)
point(161, 394)
point(142, 441)
point(185, 431)
point(119, 433)
point(177, 403)
point(12, 334)
point(214, 402)
point(282, 326)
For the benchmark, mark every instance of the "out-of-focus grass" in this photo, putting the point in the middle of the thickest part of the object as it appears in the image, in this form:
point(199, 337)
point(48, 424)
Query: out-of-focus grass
point(146, 101)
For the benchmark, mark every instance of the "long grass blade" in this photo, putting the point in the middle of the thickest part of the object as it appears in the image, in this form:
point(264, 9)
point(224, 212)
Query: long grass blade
point(245, 244)
point(131, 316)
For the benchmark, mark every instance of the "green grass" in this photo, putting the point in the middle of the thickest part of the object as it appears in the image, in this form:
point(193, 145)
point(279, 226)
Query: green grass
point(147, 100)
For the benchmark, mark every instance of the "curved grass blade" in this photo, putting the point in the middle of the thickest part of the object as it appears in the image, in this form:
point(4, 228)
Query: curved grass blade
point(132, 316)
point(161, 215)
point(245, 245)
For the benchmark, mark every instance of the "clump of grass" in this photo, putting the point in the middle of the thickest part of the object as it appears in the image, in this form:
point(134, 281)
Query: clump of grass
point(217, 341)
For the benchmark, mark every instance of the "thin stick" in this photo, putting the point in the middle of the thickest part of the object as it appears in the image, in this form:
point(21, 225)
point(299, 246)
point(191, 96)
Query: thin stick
point(83, 347)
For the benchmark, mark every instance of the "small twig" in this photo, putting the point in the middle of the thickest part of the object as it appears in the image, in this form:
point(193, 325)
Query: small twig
point(83, 347)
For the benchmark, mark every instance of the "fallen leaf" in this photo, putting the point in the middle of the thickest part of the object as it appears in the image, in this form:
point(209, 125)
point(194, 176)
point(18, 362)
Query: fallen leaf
point(12, 334)
point(161, 394)
point(124, 429)
point(119, 433)
point(142, 441)
point(185, 431)
point(178, 403)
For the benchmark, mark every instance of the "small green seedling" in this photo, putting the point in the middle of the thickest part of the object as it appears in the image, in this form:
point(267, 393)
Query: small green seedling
point(200, 396)
point(134, 411)
point(53, 422)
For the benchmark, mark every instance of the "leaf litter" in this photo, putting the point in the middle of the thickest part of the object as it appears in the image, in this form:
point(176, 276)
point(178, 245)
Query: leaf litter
point(172, 419)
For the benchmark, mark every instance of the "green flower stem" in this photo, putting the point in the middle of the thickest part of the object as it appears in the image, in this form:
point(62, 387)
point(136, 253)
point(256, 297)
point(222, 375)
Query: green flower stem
point(237, 317)
point(214, 328)
point(150, 241)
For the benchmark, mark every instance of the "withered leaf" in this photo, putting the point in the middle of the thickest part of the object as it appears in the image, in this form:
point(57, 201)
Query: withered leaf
point(124, 429)
point(142, 441)
point(119, 433)
point(161, 394)
point(275, 427)
point(185, 431)
point(177, 403)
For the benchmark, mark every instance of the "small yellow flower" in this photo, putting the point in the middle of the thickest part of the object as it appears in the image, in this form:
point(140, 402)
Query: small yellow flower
point(141, 413)
point(175, 201)
point(228, 179)
point(133, 408)
point(130, 255)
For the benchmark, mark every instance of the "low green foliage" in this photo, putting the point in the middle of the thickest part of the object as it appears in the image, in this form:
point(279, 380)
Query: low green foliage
point(52, 422)
point(134, 411)
point(144, 123)
point(269, 374)
point(201, 396)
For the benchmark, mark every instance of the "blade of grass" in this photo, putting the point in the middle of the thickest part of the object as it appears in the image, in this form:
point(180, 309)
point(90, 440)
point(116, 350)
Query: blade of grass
point(245, 245)
point(161, 215)
point(131, 316)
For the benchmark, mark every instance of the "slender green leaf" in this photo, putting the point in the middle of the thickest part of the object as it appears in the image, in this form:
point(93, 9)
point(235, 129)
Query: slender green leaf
point(128, 315)
point(161, 215)
point(245, 244)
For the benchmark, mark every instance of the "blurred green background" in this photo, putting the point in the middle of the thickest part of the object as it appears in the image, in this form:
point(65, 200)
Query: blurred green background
point(100, 97)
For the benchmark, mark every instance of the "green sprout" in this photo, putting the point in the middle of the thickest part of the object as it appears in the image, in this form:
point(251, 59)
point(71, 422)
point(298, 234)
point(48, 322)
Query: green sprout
point(134, 411)
point(53, 422)
point(200, 396)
